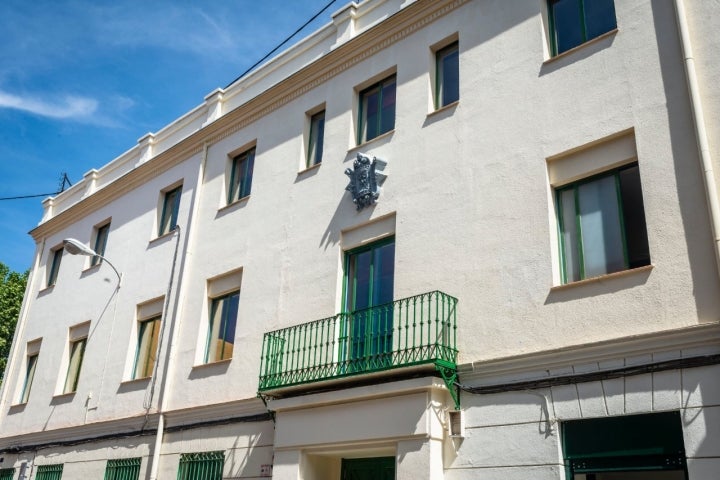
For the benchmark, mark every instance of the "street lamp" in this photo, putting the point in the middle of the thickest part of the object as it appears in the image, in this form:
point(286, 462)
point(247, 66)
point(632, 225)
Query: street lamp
point(76, 247)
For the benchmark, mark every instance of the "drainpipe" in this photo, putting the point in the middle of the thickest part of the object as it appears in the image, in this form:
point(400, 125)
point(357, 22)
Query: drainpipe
point(700, 131)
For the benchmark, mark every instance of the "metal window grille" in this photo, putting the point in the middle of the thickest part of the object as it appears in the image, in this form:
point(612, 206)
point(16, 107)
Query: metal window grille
point(49, 472)
point(123, 469)
point(7, 473)
point(201, 466)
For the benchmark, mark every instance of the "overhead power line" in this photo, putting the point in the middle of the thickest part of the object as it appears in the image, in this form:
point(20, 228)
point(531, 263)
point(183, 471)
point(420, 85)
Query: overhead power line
point(283, 42)
point(30, 196)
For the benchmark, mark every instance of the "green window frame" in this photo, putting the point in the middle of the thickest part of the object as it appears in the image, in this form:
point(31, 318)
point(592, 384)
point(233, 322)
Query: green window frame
point(170, 208)
point(574, 22)
point(222, 326)
point(601, 223)
point(123, 469)
point(146, 353)
point(31, 365)
point(447, 75)
point(241, 176)
point(7, 473)
point(77, 353)
point(368, 295)
point(625, 445)
point(57, 255)
point(377, 109)
point(316, 138)
point(201, 466)
point(49, 472)
point(101, 236)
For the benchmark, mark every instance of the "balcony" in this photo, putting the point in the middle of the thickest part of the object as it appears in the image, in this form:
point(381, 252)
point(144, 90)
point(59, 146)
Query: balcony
point(418, 331)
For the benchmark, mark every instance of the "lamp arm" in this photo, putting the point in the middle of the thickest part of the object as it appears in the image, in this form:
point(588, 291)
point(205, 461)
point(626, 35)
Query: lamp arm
point(113, 267)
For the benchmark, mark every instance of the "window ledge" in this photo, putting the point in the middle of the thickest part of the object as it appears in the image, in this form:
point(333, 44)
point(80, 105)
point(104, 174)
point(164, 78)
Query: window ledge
point(61, 396)
point(163, 236)
point(368, 142)
point(212, 364)
point(581, 46)
point(135, 381)
point(46, 289)
point(92, 268)
point(18, 405)
point(602, 278)
point(444, 108)
point(308, 169)
point(234, 203)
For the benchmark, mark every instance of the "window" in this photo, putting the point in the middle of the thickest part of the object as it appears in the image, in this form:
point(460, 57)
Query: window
point(31, 364)
point(145, 358)
point(574, 22)
point(7, 473)
point(315, 144)
point(377, 110)
point(602, 225)
point(49, 472)
point(56, 258)
point(370, 273)
point(77, 351)
point(170, 207)
point(123, 469)
point(101, 236)
point(631, 447)
point(241, 176)
point(201, 466)
point(447, 75)
point(221, 332)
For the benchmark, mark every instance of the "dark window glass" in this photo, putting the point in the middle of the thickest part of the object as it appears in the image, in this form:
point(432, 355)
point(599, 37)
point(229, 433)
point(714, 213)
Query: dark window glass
point(55, 266)
point(101, 238)
point(317, 133)
point(377, 110)
point(448, 75)
point(171, 205)
point(241, 176)
point(573, 22)
point(223, 322)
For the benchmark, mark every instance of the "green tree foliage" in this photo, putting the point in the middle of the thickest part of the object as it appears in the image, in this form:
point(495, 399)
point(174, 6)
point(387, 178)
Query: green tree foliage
point(12, 289)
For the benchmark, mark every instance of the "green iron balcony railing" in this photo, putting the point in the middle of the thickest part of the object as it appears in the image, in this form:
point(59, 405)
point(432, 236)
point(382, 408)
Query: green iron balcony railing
point(419, 330)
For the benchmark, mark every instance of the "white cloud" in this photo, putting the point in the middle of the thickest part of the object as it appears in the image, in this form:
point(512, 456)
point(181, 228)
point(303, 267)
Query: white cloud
point(70, 107)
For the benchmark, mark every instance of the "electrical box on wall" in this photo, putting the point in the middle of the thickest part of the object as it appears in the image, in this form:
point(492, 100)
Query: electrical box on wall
point(456, 421)
point(266, 470)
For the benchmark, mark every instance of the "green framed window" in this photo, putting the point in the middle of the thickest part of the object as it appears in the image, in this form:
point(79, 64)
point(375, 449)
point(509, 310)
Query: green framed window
point(49, 472)
point(447, 75)
point(369, 285)
point(170, 208)
point(377, 110)
point(315, 143)
point(101, 236)
point(201, 466)
point(30, 367)
point(56, 259)
point(123, 469)
point(221, 331)
point(146, 354)
point(77, 352)
point(574, 22)
point(602, 225)
point(241, 176)
point(7, 473)
point(631, 447)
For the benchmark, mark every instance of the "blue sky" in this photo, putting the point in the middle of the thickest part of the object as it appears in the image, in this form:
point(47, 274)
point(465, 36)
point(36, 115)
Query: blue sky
point(82, 80)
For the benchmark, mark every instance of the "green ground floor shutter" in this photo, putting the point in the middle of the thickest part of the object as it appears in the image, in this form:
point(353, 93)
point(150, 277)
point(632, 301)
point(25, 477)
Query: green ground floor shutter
point(49, 472)
point(7, 473)
point(201, 466)
point(379, 468)
point(123, 469)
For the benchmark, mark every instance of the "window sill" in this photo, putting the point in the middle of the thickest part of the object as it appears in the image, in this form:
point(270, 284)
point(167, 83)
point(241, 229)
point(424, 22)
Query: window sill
point(234, 203)
point(444, 108)
point(47, 289)
point(212, 364)
point(373, 140)
point(310, 169)
point(602, 278)
point(62, 396)
point(581, 46)
point(162, 237)
point(92, 268)
point(135, 381)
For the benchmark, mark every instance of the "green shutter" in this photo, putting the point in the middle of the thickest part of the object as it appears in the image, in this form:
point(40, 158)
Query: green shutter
point(123, 469)
point(7, 473)
point(201, 466)
point(49, 472)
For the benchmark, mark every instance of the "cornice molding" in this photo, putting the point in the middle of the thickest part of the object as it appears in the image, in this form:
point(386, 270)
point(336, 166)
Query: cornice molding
point(704, 335)
point(400, 25)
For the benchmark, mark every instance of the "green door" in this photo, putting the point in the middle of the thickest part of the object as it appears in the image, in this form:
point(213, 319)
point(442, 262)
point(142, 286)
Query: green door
point(380, 468)
point(368, 300)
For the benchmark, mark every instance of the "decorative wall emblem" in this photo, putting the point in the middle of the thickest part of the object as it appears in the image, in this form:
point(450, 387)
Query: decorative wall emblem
point(365, 180)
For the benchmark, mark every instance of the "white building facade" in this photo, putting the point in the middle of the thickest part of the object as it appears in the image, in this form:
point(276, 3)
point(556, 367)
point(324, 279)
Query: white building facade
point(443, 239)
